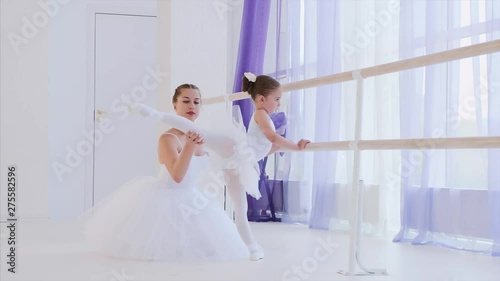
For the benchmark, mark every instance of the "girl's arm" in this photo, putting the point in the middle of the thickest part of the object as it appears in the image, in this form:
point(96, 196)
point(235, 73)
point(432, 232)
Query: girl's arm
point(274, 149)
point(176, 163)
point(263, 120)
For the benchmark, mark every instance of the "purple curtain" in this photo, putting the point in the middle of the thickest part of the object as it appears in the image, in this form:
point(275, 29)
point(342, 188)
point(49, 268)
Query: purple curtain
point(251, 52)
point(251, 49)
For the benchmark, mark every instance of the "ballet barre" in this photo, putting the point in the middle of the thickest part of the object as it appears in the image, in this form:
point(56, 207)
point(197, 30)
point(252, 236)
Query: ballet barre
point(398, 144)
point(446, 56)
point(357, 144)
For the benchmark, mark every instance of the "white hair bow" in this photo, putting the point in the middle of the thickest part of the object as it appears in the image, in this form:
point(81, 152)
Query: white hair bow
point(250, 76)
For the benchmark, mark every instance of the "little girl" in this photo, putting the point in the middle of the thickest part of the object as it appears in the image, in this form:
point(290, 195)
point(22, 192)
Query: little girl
point(262, 137)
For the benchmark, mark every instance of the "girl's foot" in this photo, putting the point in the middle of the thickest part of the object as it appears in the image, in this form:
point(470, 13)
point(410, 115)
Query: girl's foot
point(256, 251)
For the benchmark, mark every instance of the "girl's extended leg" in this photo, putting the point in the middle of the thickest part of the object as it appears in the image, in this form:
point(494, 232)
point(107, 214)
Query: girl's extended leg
point(224, 146)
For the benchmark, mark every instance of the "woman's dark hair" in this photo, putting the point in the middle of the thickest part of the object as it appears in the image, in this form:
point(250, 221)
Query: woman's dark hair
point(263, 85)
point(183, 86)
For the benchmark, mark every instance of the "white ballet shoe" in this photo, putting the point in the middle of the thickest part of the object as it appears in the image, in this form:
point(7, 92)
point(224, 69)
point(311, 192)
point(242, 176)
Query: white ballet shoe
point(256, 251)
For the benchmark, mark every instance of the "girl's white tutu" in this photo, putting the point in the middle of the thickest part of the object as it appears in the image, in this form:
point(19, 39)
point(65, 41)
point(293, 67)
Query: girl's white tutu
point(155, 218)
point(244, 161)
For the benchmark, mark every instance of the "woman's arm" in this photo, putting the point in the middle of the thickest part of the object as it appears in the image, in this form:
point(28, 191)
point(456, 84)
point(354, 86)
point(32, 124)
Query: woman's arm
point(176, 163)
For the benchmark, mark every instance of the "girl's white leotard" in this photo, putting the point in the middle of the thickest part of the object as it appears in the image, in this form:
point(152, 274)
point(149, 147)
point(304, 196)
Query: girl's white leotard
point(257, 140)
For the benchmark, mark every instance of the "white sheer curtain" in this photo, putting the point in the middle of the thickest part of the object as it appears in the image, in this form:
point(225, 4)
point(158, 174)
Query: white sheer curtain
point(450, 197)
point(315, 38)
point(369, 37)
point(493, 93)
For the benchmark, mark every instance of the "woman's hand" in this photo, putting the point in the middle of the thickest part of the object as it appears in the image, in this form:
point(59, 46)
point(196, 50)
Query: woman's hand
point(194, 138)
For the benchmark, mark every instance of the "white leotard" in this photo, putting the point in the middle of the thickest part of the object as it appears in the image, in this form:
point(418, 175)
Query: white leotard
point(257, 140)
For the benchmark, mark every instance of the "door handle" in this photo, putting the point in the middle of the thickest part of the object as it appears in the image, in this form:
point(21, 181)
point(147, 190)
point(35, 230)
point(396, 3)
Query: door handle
point(98, 113)
point(101, 112)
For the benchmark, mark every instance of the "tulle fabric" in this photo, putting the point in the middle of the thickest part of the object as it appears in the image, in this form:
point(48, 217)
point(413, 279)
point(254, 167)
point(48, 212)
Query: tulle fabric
point(154, 218)
point(244, 162)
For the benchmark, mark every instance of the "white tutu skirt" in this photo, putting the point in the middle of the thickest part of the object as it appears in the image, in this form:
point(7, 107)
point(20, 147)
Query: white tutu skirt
point(144, 219)
point(244, 161)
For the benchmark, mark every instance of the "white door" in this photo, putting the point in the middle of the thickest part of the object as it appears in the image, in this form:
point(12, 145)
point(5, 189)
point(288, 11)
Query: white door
point(124, 69)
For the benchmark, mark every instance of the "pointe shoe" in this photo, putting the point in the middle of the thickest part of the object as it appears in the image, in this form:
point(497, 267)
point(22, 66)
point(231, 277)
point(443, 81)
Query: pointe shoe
point(256, 251)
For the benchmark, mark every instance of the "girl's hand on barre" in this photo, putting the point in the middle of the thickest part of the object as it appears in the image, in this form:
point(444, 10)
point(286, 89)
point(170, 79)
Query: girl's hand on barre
point(302, 143)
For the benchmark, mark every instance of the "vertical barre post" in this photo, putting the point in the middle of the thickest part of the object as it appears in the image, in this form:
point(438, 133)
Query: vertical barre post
point(357, 199)
point(353, 236)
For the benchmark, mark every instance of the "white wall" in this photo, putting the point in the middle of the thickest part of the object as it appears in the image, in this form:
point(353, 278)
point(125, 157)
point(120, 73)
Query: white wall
point(44, 104)
point(24, 106)
point(198, 46)
point(234, 13)
point(67, 103)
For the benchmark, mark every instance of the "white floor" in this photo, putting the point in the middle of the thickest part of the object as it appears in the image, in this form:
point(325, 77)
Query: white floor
point(54, 251)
